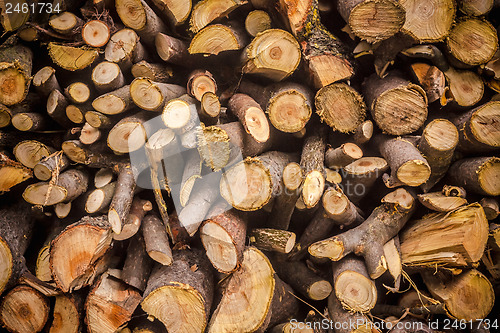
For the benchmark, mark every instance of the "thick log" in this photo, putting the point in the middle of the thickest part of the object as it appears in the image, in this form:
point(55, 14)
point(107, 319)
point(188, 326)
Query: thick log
point(233, 37)
point(477, 174)
point(206, 11)
point(337, 158)
point(54, 163)
point(359, 176)
point(15, 73)
point(177, 11)
point(68, 310)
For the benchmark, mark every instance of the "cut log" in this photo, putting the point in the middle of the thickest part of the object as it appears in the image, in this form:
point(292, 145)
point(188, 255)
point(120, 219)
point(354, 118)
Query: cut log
point(217, 38)
point(99, 199)
point(276, 240)
point(45, 81)
point(361, 323)
point(210, 108)
point(372, 21)
point(152, 96)
point(177, 11)
point(129, 134)
point(99, 120)
point(407, 164)
point(491, 207)
point(77, 92)
point(185, 289)
point(359, 176)
point(138, 209)
point(23, 310)
point(340, 107)
point(137, 15)
point(65, 23)
point(172, 50)
point(439, 202)
point(56, 108)
point(107, 76)
point(337, 158)
point(363, 133)
point(29, 121)
point(468, 296)
point(431, 79)
point(89, 134)
point(15, 73)
point(12, 173)
point(437, 144)
point(476, 7)
point(206, 11)
point(312, 165)
point(156, 240)
point(96, 33)
point(72, 58)
point(180, 114)
point(303, 280)
point(251, 116)
point(62, 209)
point(110, 304)
point(479, 128)
point(154, 72)
point(280, 58)
point(54, 163)
point(424, 244)
point(353, 287)
point(199, 82)
point(257, 21)
point(477, 174)
point(473, 41)
point(138, 265)
point(340, 209)
point(397, 105)
point(114, 102)
point(68, 309)
point(369, 238)
point(66, 187)
point(124, 48)
point(122, 199)
point(428, 22)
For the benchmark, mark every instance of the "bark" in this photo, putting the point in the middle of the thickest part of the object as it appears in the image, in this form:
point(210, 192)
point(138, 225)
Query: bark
point(336, 158)
point(251, 116)
point(276, 240)
point(45, 81)
point(360, 176)
point(15, 73)
point(122, 199)
point(56, 108)
point(156, 240)
point(312, 164)
point(476, 174)
point(98, 200)
point(340, 209)
point(138, 265)
point(336, 310)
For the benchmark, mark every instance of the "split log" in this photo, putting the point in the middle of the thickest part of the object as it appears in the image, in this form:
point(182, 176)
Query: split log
point(45, 81)
point(472, 41)
point(431, 79)
point(110, 304)
point(280, 59)
point(114, 102)
point(372, 21)
point(156, 240)
point(337, 158)
point(473, 305)
point(15, 73)
point(424, 244)
point(408, 166)
point(439, 202)
point(154, 72)
point(23, 309)
point(397, 105)
point(68, 309)
point(353, 286)
point(68, 186)
point(312, 165)
point(477, 174)
point(223, 237)
point(217, 38)
point(359, 176)
point(54, 163)
point(340, 209)
point(369, 238)
point(138, 210)
point(15, 234)
point(74, 267)
point(177, 11)
point(72, 58)
point(340, 107)
point(190, 305)
point(277, 240)
point(429, 22)
point(289, 105)
point(107, 76)
point(437, 144)
point(152, 96)
point(12, 173)
point(257, 21)
point(206, 11)
point(124, 49)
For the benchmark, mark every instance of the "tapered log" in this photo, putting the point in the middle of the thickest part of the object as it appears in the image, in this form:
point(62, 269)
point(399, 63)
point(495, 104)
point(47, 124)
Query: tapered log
point(340, 107)
point(206, 11)
point(250, 184)
point(65, 23)
point(152, 96)
point(137, 15)
point(74, 267)
point(217, 38)
point(45, 81)
point(107, 76)
point(96, 33)
point(156, 240)
point(372, 21)
point(407, 164)
point(369, 238)
point(124, 48)
point(478, 128)
point(56, 108)
point(15, 73)
point(439, 202)
point(110, 304)
point(257, 21)
point(468, 296)
point(437, 144)
point(359, 176)
point(397, 105)
point(177, 11)
point(424, 244)
point(138, 265)
point(339, 208)
point(54, 163)
point(223, 237)
point(312, 165)
point(191, 304)
point(68, 309)
point(353, 286)
point(336, 158)
point(477, 174)
point(303, 280)
point(15, 234)
point(429, 22)
point(172, 50)
point(277, 240)
point(129, 134)
point(122, 199)
point(68, 186)
point(72, 58)
point(12, 173)
point(280, 59)
point(361, 324)
point(154, 72)
point(289, 105)
point(23, 310)
point(473, 41)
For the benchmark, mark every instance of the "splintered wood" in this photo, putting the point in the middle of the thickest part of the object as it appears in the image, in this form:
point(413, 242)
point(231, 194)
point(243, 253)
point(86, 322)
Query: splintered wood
point(250, 166)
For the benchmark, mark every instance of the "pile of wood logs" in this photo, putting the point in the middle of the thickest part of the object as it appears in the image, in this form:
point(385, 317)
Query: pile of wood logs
point(249, 166)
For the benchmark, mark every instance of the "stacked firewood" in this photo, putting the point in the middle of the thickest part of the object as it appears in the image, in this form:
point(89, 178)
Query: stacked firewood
point(249, 166)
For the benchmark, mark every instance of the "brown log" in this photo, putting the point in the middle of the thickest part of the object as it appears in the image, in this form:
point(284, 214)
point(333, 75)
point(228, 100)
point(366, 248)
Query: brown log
point(477, 174)
point(277, 240)
point(96, 33)
point(257, 21)
point(56, 108)
point(312, 164)
point(156, 240)
point(124, 49)
point(339, 208)
point(65, 23)
point(64, 56)
point(107, 76)
point(89, 134)
point(361, 323)
point(491, 207)
point(54, 163)
point(172, 50)
point(439, 202)
point(359, 176)
point(199, 82)
point(45, 81)
point(119, 207)
point(431, 79)
point(152, 96)
point(203, 42)
point(336, 158)
point(129, 134)
point(15, 73)
point(177, 11)
point(210, 108)
point(77, 92)
point(138, 265)
point(153, 71)
point(99, 199)
point(68, 309)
